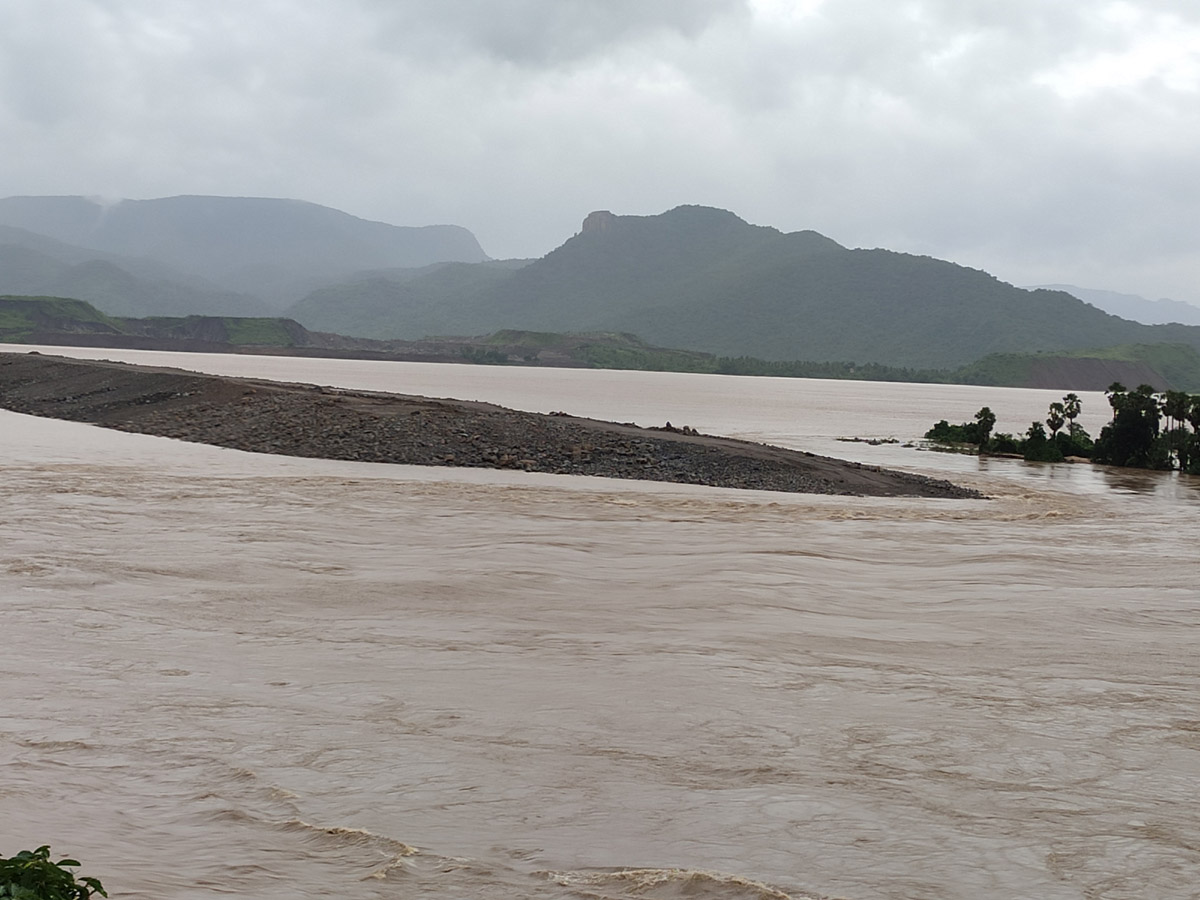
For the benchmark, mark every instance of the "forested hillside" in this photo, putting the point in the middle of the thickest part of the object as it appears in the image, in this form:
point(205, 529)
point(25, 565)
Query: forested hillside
point(702, 279)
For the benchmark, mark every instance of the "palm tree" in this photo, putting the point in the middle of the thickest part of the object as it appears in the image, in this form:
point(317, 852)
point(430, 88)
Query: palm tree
point(1056, 419)
point(1072, 407)
point(1174, 405)
point(986, 420)
point(1116, 395)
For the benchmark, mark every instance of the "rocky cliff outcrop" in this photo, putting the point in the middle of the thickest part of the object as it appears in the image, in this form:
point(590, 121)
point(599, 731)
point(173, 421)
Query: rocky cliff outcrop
point(598, 222)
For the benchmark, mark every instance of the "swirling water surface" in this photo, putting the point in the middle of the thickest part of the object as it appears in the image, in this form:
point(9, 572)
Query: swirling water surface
point(232, 673)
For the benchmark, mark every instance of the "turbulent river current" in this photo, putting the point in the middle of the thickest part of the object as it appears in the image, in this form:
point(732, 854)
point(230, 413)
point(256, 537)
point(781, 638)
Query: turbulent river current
point(226, 673)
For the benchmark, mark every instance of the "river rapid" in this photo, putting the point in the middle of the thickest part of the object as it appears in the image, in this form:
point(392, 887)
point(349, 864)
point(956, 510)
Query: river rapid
point(234, 673)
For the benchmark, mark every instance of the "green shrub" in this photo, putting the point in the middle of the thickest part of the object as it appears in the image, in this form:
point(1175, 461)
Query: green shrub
point(945, 433)
point(1004, 443)
point(30, 875)
point(1038, 447)
point(1074, 442)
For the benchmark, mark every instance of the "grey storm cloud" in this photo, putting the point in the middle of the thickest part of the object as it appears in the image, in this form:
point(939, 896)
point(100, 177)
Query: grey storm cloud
point(541, 32)
point(1042, 141)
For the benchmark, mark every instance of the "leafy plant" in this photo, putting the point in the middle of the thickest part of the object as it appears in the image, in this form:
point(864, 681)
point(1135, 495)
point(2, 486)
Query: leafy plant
point(30, 875)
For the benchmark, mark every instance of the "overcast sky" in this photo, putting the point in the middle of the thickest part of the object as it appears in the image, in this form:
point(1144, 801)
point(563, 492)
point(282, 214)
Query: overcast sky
point(1041, 140)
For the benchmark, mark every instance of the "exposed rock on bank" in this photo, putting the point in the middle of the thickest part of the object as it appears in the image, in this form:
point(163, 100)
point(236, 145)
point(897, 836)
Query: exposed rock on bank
point(331, 423)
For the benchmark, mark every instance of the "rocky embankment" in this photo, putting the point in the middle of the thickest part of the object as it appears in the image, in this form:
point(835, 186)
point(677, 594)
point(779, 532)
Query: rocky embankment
point(331, 423)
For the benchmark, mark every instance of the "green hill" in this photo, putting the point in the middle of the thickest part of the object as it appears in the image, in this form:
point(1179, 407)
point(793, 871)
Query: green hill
point(49, 320)
point(702, 279)
point(1163, 366)
point(24, 319)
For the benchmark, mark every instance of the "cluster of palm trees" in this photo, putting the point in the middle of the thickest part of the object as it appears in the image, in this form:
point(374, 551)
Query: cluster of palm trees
point(1064, 412)
point(1149, 430)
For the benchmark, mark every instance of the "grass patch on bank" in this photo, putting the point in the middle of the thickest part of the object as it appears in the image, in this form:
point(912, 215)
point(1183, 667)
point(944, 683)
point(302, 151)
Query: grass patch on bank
point(271, 332)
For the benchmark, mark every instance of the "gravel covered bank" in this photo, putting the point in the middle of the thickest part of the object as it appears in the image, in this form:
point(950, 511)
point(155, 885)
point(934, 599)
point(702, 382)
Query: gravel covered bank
point(306, 420)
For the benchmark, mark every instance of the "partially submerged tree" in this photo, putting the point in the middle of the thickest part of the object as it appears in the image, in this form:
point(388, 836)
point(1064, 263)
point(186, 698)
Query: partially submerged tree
point(985, 421)
point(1038, 447)
point(977, 432)
point(1056, 419)
point(1174, 405)
point(1131, 438)
point(1136, 436)
point(1072, 407)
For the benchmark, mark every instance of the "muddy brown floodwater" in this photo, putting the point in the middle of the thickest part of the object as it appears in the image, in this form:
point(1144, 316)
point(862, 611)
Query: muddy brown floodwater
point(233, 673)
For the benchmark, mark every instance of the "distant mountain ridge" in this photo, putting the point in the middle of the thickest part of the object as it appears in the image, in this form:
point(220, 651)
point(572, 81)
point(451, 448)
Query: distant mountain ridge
point(1133, 306)
point(703, 279)
point(693, 278)
point(274, 249)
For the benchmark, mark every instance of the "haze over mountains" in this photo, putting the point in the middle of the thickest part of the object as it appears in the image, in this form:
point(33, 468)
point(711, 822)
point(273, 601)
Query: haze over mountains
point(213, 255)
point(1133, 306)
point(693, 278)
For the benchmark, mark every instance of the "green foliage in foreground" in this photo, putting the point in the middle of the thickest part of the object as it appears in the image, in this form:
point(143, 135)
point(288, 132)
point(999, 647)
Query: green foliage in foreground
point(31, 875)
point(1148, 431)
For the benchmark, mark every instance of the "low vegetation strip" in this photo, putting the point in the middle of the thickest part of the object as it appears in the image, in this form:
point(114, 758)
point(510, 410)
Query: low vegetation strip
point(64, 322)
point(1148, 431)
point(311, 421)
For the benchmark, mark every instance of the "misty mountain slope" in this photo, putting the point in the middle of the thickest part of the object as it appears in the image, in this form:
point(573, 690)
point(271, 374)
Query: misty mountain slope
point(24, 270)
point(703, 279)
point(877, 306)
point(71, 220)
point(410, 274)
point(756, 292)
point(112, 288)
point(617, 265)
point(119, 293)
point(439, 299)
point(1133, 306)
point(270, 247)
point(140, 266)
point(614, 267)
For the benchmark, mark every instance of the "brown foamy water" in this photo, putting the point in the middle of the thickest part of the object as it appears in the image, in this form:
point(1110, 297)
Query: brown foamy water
point(235, 673)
